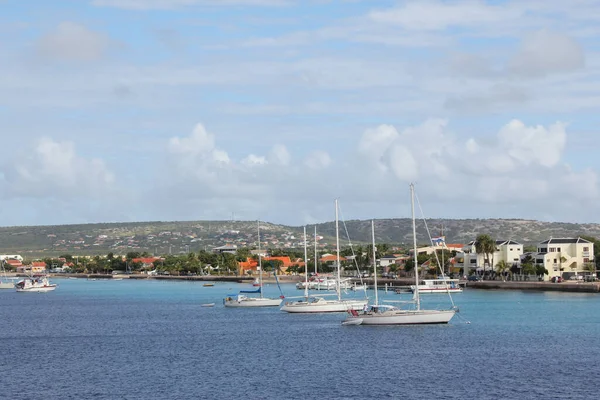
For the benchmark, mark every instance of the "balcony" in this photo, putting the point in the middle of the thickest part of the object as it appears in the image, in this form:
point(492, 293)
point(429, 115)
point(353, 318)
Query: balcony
point(585, 254)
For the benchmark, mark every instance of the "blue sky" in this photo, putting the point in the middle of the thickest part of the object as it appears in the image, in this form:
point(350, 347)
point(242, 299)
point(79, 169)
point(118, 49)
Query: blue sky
point(137, 110)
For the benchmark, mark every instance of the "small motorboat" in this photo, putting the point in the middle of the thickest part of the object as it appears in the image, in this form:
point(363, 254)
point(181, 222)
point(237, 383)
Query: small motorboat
point(208, 284)
point(207, 305)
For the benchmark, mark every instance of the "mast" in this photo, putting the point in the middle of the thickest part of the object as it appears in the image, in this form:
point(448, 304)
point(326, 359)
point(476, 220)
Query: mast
point(374, 262)
point(414, 229)
point(259, 261)
point(305, 267)
point(316, 270)
point(337, 249)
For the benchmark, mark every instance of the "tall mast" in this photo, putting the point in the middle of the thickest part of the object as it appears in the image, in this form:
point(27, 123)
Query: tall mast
point(414, 229)
point(337, 248)
point(259, 261)
point(305, 267)
point(316, 258)
point(374, 263)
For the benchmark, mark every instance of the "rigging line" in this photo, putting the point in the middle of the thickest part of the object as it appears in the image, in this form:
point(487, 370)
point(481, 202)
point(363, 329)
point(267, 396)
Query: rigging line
point(435, 252)
point(351, 248)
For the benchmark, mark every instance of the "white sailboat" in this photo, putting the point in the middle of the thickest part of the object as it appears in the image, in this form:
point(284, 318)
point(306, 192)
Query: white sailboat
point(378, 314)
point(318, 304)
point(242, 300)
point(5, 282)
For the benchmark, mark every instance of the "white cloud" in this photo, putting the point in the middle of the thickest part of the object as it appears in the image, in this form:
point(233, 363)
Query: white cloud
point(73, 41)
point(538, 145)
point(199, 145)
point(545, 52)
point(437, 15)
point(173, 4)
point(254, 160)
point(54, 168)
point(318, 160)
point(279, 155)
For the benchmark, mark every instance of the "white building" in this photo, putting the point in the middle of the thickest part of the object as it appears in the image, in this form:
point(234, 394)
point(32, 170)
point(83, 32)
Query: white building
point(10, 257)
point(564, 256)
point(228, 248)
point(508, 251)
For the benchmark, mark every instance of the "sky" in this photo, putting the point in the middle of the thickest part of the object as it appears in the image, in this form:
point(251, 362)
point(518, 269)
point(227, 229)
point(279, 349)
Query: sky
point(180, 110)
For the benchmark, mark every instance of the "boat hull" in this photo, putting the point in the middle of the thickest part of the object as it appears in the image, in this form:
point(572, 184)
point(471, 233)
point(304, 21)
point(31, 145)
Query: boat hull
point(41, 289)
point(7, 285)
point(440, 290)
point(323, 306)
point(252, 302)
point(404, 317)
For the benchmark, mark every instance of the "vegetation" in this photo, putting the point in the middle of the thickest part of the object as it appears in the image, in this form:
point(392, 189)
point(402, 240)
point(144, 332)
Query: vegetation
point(484, 244)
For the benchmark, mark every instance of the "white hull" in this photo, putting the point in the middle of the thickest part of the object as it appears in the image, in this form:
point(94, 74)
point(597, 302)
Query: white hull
point(321, 305)
point(252, 302)
point(437, 290)
point(35, 285)
point(403, 317)
point(41, 289)
point(7, 285)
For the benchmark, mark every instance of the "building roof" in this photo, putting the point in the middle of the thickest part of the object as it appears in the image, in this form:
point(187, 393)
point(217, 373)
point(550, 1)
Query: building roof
point(38, 264)
point(565, 241)
point(226, 247)
point(145, 260)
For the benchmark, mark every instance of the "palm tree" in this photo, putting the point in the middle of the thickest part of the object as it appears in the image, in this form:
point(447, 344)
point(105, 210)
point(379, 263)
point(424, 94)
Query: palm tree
point(501, 268)
point(484, 244)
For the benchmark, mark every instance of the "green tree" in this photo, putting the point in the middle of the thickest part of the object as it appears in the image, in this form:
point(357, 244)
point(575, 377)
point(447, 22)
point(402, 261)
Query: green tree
point(484, 244)
point(540, 270)
point(132, 254)
point(502, 268)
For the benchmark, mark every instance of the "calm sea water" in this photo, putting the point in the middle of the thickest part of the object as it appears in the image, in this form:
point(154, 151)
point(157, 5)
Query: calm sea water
point(152, 340)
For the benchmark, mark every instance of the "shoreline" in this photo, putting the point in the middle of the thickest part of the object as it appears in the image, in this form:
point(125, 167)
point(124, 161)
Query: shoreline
point(574, 287)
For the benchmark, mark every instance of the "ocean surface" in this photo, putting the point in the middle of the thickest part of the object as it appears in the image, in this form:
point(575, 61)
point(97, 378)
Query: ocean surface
point(152, 340)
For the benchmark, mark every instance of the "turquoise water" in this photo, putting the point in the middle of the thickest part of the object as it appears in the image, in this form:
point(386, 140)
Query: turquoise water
point(153, 340)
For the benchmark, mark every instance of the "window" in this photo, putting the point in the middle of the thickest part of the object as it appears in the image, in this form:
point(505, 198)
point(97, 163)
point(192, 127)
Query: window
point(539, 261)
point(585, 260)
point(552, 250)
point(555, 261)
point(558, 249)
point(473, 261)
point(510, 249)
point(586, 249)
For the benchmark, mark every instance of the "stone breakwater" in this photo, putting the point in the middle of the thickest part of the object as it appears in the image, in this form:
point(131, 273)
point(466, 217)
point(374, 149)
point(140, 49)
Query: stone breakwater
point(584, 287)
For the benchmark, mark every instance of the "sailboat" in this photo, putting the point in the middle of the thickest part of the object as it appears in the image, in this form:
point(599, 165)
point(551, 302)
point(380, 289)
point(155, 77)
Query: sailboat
point(382, 314)
point(5, 282)
point(318, 304)
point(241, 300)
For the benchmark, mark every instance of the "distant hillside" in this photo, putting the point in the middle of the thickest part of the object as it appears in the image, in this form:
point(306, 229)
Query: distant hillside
point(181, 237)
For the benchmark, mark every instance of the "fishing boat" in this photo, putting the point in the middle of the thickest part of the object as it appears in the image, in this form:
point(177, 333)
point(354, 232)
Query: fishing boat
point(318, 304)
point(242, 300)
point(383, 314)
point(38, 284)
point(208, 284)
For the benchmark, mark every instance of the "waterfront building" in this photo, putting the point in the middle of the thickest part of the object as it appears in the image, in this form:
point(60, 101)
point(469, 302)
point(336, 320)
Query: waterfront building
point(228, 248)
point(469, 260)
point(564, 257)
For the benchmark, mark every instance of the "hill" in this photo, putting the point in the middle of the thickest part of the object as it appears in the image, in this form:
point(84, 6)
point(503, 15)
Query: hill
point(185, 236)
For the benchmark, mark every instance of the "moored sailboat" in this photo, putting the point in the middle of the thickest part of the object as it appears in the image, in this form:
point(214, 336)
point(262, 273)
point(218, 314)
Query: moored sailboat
point(378, 314)
point(242, 300)
point(318, 304)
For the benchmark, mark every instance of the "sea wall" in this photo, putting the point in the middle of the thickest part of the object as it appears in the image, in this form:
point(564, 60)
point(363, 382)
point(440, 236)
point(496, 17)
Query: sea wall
point(584, 287)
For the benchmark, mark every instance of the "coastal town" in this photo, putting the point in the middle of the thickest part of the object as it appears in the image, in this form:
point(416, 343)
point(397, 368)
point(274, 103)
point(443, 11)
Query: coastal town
point(484, 258)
